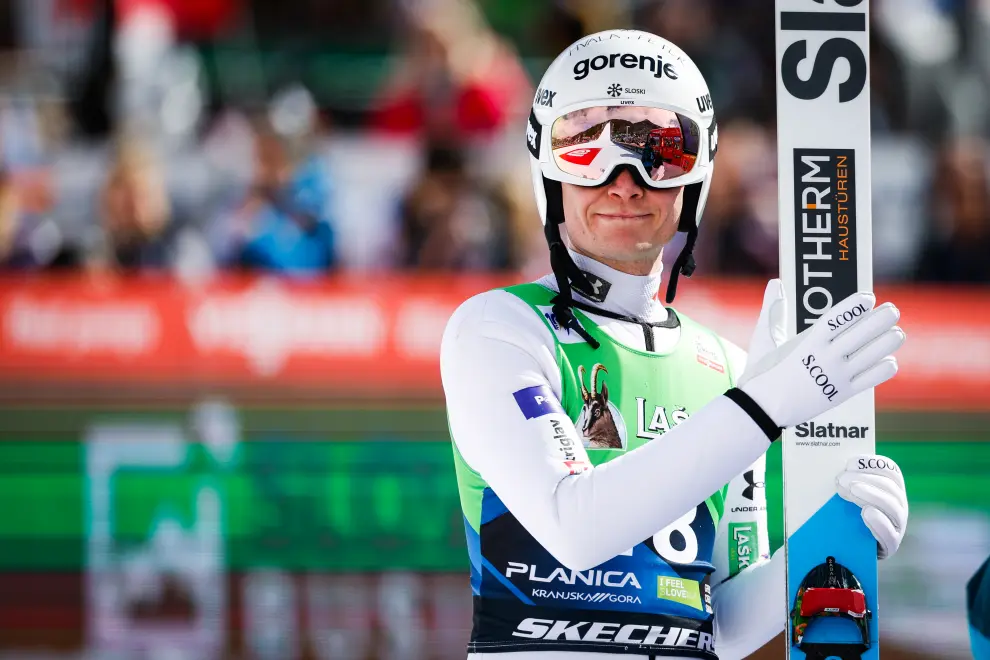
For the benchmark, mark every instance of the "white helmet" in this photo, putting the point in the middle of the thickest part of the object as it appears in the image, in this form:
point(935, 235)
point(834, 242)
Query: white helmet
point(614, 100)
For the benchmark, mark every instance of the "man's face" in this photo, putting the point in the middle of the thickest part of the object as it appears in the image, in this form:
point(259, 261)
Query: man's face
point(622, 224)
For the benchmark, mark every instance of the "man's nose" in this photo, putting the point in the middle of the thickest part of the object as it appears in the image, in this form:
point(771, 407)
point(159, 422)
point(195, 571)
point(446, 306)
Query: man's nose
point(625, 187)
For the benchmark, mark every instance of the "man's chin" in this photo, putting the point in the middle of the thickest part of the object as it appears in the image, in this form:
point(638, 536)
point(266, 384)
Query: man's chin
point(633, 247)
point(634, 254)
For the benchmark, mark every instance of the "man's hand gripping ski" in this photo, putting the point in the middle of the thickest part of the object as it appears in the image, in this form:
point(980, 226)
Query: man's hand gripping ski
point(847, 350)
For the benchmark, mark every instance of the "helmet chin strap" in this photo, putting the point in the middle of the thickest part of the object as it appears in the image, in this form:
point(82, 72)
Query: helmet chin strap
point(563, 267)
point(688, 223)
point(683, 264)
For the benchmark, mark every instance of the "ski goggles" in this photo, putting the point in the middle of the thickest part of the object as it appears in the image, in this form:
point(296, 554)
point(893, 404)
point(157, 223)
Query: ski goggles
point(666, 147)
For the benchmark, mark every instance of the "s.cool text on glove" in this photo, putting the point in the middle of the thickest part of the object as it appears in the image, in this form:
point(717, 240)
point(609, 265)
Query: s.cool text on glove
point(846, 317)
point(821, 378)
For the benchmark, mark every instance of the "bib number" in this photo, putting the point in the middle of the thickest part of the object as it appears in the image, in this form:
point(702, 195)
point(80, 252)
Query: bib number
point(666, 549)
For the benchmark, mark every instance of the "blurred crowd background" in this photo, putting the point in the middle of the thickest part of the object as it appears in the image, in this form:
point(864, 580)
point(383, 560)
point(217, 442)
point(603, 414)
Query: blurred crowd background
point(304, 137)
point(227, 233)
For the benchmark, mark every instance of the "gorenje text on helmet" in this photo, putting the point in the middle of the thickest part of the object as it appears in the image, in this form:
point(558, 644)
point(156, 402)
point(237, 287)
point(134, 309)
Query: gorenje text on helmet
point(626, 60)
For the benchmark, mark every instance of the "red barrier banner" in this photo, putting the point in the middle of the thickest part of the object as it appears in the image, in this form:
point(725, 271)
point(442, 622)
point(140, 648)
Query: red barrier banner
point(379, 335)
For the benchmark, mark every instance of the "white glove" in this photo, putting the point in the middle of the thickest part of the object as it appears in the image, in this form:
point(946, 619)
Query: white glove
point(877, 485)
point(846, 351)
point(771, 327)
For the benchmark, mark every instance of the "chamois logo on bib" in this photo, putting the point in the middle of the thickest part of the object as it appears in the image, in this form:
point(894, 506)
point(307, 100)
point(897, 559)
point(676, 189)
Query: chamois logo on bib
point(600, 422)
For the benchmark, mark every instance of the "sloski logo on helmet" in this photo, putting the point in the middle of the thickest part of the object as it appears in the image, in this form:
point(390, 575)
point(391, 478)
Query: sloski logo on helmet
point(615, 89)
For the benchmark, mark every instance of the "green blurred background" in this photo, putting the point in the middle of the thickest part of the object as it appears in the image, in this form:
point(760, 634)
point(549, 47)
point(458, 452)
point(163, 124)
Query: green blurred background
point(337, 531)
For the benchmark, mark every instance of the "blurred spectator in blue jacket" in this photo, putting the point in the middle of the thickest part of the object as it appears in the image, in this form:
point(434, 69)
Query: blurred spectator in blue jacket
point(282, 222)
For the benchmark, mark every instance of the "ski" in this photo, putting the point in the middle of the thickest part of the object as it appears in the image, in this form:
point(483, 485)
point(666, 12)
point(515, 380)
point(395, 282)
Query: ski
point(823, 154)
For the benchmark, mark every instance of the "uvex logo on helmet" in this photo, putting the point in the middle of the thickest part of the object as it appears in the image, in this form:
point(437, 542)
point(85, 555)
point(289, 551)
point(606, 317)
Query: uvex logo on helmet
point(626, 60)
point(846, 317)
point(544, 97)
